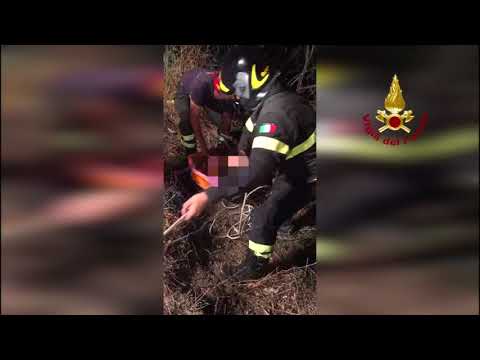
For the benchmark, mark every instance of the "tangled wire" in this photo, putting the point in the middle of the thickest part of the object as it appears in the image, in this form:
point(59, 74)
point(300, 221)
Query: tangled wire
point(235, 231)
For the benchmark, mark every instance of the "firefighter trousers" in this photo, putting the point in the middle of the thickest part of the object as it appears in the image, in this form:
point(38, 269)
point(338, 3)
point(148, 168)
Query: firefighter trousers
point(182, 107)
point(286, 198)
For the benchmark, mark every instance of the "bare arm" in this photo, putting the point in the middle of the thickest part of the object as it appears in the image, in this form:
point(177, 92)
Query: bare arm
point(226, 126)
point(195, 121)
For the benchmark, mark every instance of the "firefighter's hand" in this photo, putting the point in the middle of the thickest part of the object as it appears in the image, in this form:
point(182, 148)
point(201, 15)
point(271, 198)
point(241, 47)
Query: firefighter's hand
point(195, 206)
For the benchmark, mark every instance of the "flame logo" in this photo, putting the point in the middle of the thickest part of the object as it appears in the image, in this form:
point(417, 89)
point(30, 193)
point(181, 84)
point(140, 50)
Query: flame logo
point(394, 101)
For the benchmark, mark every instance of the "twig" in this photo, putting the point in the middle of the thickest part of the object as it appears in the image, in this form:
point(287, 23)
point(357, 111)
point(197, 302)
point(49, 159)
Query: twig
point(173, 197)
point(179, 221)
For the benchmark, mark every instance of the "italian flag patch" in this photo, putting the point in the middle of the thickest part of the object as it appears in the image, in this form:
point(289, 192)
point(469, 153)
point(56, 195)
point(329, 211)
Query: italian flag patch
point(267, 129)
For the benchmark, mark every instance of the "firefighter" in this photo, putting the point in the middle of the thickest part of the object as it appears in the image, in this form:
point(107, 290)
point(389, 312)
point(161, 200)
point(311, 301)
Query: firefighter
point(198, 89)
point(279, 138)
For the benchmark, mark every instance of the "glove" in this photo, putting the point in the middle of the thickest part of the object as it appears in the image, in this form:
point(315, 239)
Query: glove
point(225, 138)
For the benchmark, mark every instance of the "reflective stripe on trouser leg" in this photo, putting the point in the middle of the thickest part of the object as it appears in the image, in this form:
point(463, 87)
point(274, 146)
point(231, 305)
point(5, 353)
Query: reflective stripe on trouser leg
point(285, 200)
point(261, 250)
point(188, 144)
point(188, 141)
point(189, 137)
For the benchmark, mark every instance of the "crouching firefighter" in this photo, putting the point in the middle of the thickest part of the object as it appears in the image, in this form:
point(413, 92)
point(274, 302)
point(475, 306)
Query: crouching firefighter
point(198, 89)
point(279, 138)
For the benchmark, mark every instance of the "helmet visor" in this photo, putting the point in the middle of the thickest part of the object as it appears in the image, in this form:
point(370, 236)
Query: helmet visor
point(241, 86)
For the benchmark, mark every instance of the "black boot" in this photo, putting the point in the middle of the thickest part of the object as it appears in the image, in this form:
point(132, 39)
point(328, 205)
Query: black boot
point(253, 267)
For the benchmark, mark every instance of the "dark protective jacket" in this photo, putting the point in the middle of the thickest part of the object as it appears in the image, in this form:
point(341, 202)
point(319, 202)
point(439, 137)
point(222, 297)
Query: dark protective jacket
point(279, 138)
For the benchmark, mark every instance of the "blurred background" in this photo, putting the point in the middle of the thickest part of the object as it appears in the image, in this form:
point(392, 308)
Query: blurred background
point(82, 179)
point(398, 225)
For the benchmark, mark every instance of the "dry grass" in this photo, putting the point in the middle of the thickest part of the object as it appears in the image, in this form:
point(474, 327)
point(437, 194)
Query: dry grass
point(180, 58)
point(195, 283)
